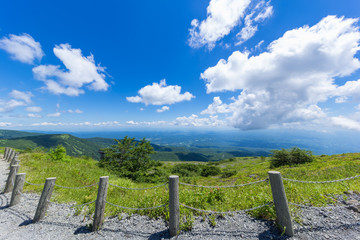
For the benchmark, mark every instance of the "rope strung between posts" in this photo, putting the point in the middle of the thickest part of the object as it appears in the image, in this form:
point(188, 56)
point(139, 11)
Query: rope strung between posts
point(24, 196)
point(33, 183)
point(228, 212)
point(138, 188)
point(77, 187)
point(129, 208)
point(228, 186)
point(330, 181)
point(322, 208)
point(73, 206)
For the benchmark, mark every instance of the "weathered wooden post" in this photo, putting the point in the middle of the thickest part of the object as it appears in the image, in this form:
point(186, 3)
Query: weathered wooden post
point(5, 152)
point(174, 206)
point(18, 187)
point(44, 199)
point(100, 203)
point(15, 159)
point(11, 178)
point(281, 203)
point(11, 156)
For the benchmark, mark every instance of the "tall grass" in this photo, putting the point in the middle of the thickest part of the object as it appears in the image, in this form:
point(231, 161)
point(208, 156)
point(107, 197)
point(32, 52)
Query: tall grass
point(76, 172)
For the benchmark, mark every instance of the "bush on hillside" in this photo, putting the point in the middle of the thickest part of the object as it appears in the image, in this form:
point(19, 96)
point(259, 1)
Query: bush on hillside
point(129, 158)
point(186, 170)
point(57, 154)
point(210, 171)
point(290, 157)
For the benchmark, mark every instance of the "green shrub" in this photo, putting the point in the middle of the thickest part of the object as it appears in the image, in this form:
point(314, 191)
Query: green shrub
point(210, 171)
point(290, 157)
point(186, 170)
point(228, 173)
point(57, 154)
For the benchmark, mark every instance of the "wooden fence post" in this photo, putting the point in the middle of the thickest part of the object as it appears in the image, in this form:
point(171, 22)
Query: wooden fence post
point(18, 187)
point(100, 203)
point(174, 206)
point(11, 156)
point(6, 155)
point(281, 203)
point(5, 152)
point(44, 199)
point(15, 159)
point(11, 178)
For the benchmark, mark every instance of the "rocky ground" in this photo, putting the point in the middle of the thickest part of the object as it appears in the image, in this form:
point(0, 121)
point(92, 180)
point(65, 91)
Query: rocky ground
point(61, 223)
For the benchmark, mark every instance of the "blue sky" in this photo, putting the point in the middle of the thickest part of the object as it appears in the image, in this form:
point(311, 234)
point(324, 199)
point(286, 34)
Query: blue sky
point(242, 64)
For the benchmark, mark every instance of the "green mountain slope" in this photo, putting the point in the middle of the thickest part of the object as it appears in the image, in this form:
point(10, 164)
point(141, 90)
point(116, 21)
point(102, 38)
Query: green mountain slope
point(74, 146)
point(90, 147)
point(6, 134)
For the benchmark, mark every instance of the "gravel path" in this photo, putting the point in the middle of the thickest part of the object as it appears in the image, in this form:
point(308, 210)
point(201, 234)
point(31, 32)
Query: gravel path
point(61, 223)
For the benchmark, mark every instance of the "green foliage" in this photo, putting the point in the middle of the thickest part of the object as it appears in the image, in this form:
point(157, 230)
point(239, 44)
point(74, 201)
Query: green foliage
point(228, 173)
point(57, 154)
point(186, 170)
point(129, 158)
point(195, 170)
point(290, 157)
point(210, 171)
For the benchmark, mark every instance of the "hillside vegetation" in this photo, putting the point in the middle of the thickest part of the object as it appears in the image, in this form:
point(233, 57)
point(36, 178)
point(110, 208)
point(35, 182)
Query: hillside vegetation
point(76, 172)
point(90, 147)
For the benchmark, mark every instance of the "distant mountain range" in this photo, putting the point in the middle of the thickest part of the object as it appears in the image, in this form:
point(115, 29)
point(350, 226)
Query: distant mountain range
point(76, 146)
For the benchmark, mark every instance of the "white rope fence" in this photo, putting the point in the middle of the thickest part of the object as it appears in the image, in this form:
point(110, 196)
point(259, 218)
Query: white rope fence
point(161, 185)
point(227, 186)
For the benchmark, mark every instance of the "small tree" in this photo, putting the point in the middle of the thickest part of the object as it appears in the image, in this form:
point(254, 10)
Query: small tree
point(290, 157)
point(128, 157)
point(57, 154)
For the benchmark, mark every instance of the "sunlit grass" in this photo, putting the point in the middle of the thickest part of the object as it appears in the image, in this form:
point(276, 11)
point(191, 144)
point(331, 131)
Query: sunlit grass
point(77, 172)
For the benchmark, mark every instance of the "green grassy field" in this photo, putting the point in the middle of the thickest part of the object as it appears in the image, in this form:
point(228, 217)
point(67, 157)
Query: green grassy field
point(76, 172)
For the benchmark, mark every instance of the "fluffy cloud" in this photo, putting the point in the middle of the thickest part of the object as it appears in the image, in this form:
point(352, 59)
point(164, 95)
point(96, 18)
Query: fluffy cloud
point(81, 71)
point(57, 114)
point(346, 123)
point(17, 99)
point(34, 109)
point(216, 107)
point(160, 94)
point(163, 109)
point(262, 11)
point(195, 121)
point(22, 48)
point(223, 16)
point(25, 96)
point(33, 115)
point(286, 83)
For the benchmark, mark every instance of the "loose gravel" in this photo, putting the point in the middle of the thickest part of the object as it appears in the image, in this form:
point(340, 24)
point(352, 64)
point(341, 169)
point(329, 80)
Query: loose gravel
point(62, 223)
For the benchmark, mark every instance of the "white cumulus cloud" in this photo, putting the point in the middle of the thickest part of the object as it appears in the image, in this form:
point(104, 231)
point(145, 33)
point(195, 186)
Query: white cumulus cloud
point(22, 48)
point(223, 16)
point(347, 123)
point(57, 114)
point(160, 94)
point(34, 115)
point(286, 83)
point(34, 109)
point(163, 109)
point(81, 71)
